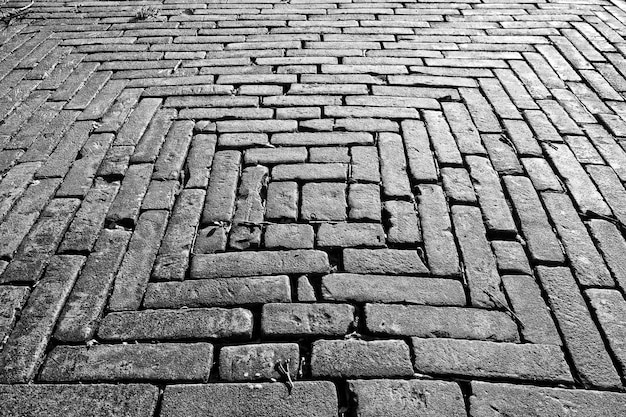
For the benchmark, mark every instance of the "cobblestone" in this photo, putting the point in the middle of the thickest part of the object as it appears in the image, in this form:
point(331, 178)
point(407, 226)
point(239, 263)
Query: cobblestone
point(203, 191)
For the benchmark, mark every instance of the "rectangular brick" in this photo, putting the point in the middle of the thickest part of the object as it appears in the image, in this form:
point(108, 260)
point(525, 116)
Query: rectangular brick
point(484, 359)
point(25, 348)
point(133, 362)
point(308, 398)
point(292, 319)
point(196, 323)
point(592, 363)
point(220, 197)
point(224, 265)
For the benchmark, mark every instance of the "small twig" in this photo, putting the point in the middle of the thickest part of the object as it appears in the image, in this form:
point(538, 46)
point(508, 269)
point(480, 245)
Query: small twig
point(284, 371)
point(15, 13)
point(500, 304)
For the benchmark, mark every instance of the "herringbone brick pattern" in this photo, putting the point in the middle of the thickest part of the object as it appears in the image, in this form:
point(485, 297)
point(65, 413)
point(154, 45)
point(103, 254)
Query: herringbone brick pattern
point(313, 208)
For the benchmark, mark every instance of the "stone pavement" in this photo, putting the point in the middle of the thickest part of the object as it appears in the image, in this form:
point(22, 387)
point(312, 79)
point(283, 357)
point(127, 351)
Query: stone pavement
point(313, 208)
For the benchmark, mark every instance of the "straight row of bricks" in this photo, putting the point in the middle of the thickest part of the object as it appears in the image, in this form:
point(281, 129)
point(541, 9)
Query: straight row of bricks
point(374, 397)
point(281, 319)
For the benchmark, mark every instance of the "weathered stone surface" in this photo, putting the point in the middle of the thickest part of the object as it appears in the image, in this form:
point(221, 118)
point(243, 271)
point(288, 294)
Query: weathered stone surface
point(73, 400)
point(443, 257)
point(282, 201)
point(407, 398)
point(496, 400)
point(383, 261)
point(358, 358)
point(323, 201)
point(289, 236)
point(177, 324)
point(581, 337)
point(307, 399)
point(351, 235)
point(218, 292)
point(222, 265)
point(220, 198)
point(490, 359)
point(610, 309)
point(151, 362)
point(530, 309)
point(389, 289)
point(364, 202)
point(403, 223)
point(427, 321)
point(291, 319)
point(258, 362)
point(25, 348)
point(12, 298)
point(611, 244)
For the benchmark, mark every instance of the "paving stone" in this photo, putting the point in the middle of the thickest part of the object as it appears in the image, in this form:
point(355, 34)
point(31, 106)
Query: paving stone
point(443, 258)
point(134, 273)
point(12, 299)
point(427, 321)
point(542, 243)
point(220, 198)
point(404, 398)
point(480, 264)
point(525, 400)
point(458, 185)
point(293, 319)
point(199, 160)
point(419, 155)
point(281, 155)
point(350, 235)
point(282, 201)
point(24, 350)
point(403, 223)
point(510, 257)
point(289, 236)
point(172, 155)
point(525, 362)
point(79, 318)
point(383, 261)
point(323, 202)
point(442, 141)
point(582, 339)
point(364, 202)
point(224, 265)
point(358, 358)
point(218, 292)
point(609, 307)
point(307, 399)
point(611, 244)
point(389, 289)
point(149, 362)
point(498, 218)
point(125, 208)
point(41, 242)
point(365, 164)
point(530, 309)
point(541, 174)
point(196, 323)
point(310, 172)
point(611, 189)
point(137, 123)
point(586, 262)
point(72, 400)
point(578, 183)
point(258, 362)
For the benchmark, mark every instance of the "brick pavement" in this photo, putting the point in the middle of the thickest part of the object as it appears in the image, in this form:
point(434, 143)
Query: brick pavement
point(313, 208)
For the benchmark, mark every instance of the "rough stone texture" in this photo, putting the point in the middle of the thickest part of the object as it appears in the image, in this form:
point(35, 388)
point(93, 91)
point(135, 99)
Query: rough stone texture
point(611, 244)
point(177, 324)
point(258, 362)
point(389, 289)
point(307, 399)
point(350, 235)
point(581, 337)
point(406, 398)
point(530, 309)
point(323, 202)
point(151, 362)
point(218, 292)
point(289, 236)
point(383, 261)
point(610, 309)
point(258, 263)
point(499, 400)
point(358, 358)
point(482, 359)
point(427, 321)
point(79, 400)
point(306, 319)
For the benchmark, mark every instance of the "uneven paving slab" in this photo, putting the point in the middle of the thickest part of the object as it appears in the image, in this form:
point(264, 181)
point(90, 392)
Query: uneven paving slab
point(303, 207)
